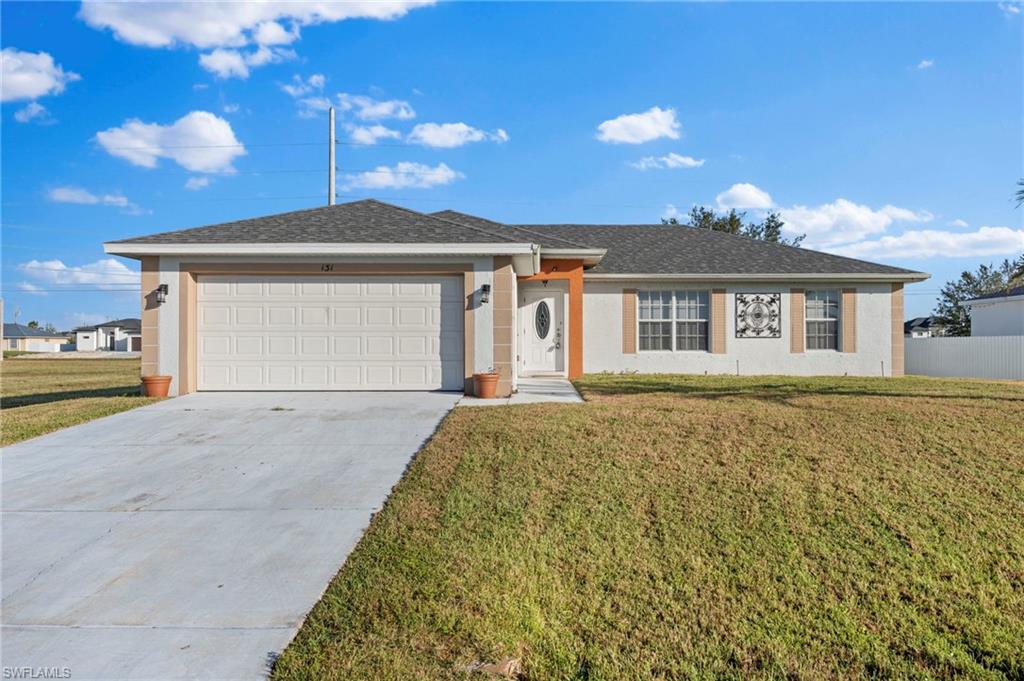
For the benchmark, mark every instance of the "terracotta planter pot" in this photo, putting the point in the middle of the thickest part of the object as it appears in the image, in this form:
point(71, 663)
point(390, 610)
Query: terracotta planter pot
point(486, 385)
point(155, 386)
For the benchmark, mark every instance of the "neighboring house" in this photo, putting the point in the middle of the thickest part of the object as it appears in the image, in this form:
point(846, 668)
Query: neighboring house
point(119, 335)
point(998, 314)
point(21, 337)
point(370, 296)
point(924, 327)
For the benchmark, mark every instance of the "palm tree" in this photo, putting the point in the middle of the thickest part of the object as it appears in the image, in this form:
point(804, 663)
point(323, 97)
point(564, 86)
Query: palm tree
point(1020, 193)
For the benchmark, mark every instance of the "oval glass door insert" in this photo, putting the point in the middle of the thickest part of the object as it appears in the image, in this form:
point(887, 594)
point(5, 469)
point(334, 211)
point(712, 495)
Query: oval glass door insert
point(543, 319)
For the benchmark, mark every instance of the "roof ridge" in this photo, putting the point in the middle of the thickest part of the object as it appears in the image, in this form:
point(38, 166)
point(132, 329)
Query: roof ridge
point(434, 217)
point(508, 225)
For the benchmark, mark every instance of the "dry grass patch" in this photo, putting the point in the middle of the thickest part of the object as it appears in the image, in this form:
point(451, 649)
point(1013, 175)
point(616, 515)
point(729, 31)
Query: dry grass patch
point(683, 527)
point(39, 396)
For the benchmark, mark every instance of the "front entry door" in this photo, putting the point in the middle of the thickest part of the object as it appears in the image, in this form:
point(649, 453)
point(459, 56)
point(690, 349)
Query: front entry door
point(541, 332)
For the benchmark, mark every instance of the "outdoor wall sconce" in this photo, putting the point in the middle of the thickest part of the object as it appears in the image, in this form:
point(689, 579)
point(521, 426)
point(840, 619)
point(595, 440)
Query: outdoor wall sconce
point(485, 293)
point(161, 294)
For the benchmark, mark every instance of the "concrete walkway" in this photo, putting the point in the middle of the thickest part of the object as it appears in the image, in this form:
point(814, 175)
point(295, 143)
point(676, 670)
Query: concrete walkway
point(189, 538)
point(531, 391)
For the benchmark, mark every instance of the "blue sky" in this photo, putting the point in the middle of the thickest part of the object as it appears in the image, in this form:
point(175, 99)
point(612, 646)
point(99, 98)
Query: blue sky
point(891, 132)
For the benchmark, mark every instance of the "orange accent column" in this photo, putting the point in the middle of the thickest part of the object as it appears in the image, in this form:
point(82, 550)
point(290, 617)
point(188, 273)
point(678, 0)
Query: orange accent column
point(571, 271)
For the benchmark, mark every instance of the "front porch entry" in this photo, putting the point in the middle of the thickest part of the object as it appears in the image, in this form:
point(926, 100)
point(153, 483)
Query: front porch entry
point(550, 320)
point(542, 347)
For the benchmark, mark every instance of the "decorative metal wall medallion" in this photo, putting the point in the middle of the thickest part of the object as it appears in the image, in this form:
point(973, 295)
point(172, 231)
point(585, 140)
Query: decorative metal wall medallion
point(543, 319)
point(758, 315)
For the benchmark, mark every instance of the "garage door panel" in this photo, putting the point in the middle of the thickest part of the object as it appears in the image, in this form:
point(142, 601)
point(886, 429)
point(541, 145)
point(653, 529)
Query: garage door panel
point(330, 333)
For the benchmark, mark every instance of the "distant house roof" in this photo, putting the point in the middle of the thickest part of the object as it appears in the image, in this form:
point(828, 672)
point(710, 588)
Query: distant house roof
point(22, 331)
point(1005, 293)
point(922, 324)
point(615, 250)
point(130, 324)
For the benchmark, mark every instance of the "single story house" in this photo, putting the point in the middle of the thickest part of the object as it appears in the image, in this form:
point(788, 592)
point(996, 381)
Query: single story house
point(28, 339)
point(998, 314)
point(371, 296)
point(924, 327)
point(118, 335)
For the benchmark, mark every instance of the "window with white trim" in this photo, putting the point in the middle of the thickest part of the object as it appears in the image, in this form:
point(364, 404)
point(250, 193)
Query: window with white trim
point(673, 320)
point(822, 319)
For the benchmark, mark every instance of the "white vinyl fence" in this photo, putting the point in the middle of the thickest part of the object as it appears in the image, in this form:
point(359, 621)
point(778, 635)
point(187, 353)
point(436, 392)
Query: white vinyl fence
point(966, 356)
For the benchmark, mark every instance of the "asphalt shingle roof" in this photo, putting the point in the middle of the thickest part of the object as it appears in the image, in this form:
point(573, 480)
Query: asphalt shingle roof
point(631, 249)
point(22, 331)
point(128, 324)
point(366, 221)
point(1015, 291)
point(673, 249)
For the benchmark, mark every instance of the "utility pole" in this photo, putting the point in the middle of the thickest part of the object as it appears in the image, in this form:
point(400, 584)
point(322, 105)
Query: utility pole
point(330, 160)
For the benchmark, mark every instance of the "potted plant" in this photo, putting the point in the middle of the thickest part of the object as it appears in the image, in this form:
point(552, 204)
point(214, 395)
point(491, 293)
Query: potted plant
point(485, 383)
point(155, 386)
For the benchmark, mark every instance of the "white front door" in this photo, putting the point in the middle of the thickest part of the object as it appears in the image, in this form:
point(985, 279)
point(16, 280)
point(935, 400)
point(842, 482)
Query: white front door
point(541, 331)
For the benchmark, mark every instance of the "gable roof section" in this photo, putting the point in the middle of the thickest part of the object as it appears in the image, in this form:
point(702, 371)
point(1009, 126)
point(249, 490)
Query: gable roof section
point(367, 221)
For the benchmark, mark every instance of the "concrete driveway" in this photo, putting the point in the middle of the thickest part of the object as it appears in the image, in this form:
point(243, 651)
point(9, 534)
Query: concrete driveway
point(189, 538)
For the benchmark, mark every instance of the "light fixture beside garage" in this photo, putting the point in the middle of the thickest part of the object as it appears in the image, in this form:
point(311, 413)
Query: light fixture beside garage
point(161, 294)
point(485, 293)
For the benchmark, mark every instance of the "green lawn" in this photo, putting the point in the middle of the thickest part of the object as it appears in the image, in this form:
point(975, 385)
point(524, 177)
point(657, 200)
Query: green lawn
point(685, 527)
point(38, 396)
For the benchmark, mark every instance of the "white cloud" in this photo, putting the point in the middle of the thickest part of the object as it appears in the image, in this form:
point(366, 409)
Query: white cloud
point(78, 195)
point(1010, 9)
point(29, 287)
point(671, 212)
point(670, 161)
point(30, 75)
point(226, 63)
point(197, 183)
point(962, 224)
point(33, 111)
point(404, 175)
point(370, 109)
point(640, 127)
point(231, 108)
point(928, 243)
point(925, 64)
point(371, 134)
point(448, 135)
point(311, 107)
point(223, 24)
point(105, 273)
point(744, 195)
point(844, 221)
point(200, 142)
point(299, 87)
point(273, 33)
point(227, 24)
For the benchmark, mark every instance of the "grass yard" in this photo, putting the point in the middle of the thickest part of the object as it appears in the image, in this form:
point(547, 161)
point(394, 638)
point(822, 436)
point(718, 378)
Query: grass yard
point(39, 396)
point(697, 527)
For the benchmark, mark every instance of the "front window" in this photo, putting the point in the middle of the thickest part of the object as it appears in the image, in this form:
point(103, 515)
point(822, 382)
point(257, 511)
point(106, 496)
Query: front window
point(673, 320)
point(822, 315)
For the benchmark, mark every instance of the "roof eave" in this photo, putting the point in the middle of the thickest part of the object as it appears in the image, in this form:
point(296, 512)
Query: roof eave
point(767, 276)
point(589, 256)
point(994, 299)
point(138, 249)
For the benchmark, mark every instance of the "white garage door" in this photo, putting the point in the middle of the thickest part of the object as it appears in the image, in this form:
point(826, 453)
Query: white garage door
point(330, 333)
